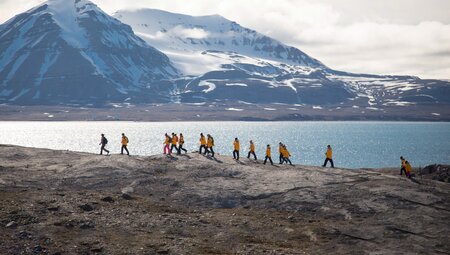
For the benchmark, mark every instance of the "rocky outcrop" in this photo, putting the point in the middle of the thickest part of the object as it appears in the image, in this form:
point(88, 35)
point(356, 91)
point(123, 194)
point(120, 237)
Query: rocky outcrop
point(71, 202)
point(436, 172)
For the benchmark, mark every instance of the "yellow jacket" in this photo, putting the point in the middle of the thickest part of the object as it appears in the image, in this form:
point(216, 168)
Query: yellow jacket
point(285, 153)
point(268, 152)
point(174, 140)
point(202, 140)
point(329, 153)
point(252, 147)
point(236, 145)
point(167, 140)
point(210, 142)
point(181, 140)
point(280, 149)
point(408, 168)
point(124, 140)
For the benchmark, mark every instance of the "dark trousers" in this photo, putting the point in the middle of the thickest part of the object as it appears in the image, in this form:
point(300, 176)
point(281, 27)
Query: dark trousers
point(103, 149)
point(268, 158)
point(287, 160)
point(172, 147)
point(180, 148)
point(403, 170)
point(251, 153)
point(281, 158)
point(124, 147)
point(209, 150)
point(200, 150)
point(236, 154)
point(326, 161)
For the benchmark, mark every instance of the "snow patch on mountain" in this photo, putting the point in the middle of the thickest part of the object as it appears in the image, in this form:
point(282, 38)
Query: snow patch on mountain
point(211, 86)
point(188, 39)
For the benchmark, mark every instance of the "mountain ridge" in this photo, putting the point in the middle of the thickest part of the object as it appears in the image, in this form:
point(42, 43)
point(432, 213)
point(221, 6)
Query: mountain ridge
point(73, 49)
point(159, 57)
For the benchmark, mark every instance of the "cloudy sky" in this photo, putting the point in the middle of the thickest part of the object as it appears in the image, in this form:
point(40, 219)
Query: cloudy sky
point(365, 36)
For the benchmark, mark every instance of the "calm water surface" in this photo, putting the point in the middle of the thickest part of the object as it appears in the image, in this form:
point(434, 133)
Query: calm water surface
point(355, 144)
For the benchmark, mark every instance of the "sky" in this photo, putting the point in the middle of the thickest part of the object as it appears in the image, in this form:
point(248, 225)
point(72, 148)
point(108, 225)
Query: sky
point(410, 37)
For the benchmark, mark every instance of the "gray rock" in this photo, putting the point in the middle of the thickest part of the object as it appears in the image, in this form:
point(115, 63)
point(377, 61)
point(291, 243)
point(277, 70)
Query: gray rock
point(86, 207)
point(108, 199)
point(11, 224)
point(127, 196)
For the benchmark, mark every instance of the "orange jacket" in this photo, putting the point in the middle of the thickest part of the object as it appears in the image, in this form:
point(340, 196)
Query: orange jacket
point(408, 168)
point(268, 152)
point(124, 140)
point(174, 140)
point(236, 145)
point(329, 153)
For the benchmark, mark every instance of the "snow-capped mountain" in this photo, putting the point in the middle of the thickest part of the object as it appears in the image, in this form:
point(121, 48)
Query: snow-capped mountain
point(187, 40)
point(70, 51)
point(231, 63)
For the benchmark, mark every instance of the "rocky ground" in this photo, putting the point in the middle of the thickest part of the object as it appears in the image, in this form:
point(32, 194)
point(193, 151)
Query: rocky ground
point(61, 202)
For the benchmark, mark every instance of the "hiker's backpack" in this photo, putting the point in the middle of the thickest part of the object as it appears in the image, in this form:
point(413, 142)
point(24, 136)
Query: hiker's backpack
point(106, 140)
point(170, 140)
point(212, 140)
point(126, 138)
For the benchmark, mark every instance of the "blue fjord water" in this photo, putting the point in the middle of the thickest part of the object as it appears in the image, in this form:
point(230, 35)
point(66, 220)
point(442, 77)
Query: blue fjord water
point(355, 144)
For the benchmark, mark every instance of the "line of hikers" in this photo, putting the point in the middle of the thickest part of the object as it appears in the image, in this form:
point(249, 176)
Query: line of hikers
point(171, 143)
point(207, 144)
point(104, 142)
point(207, 147)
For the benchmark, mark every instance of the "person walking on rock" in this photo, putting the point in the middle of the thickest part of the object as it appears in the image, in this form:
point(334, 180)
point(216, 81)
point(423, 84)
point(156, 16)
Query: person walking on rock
point(180, 144)
point(202, 143)
point(174, 143)
point(402, 166)
point(408, 169)
point(268, 155)
point(124, 144)
point(280, 150)
point(329, 157)
point(252, 150)
point(167, 142)
point(236, 148)
point(286, 155)
point(210, 145)
point(103, 143)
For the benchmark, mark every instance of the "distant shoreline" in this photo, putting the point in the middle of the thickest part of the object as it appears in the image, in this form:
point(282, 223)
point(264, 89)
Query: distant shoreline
point(222, 112)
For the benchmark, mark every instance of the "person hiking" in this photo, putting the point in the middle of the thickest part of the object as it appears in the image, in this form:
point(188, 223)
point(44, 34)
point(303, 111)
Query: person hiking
point(180, 144)
point(286, 155)
point(268, 155)
point(202, 143)
point(408, 169)
point(280, 150)
point(166, 143)
point(174, 143)
point(103, 143)
point(252, 150)
point(402, 166)
point(124, 144)
point(210, 145)
point(329, 157)
point(236, 148)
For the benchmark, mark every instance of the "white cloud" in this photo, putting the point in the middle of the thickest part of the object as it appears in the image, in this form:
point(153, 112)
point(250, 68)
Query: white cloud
point(194, 33)
point(366, 36)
